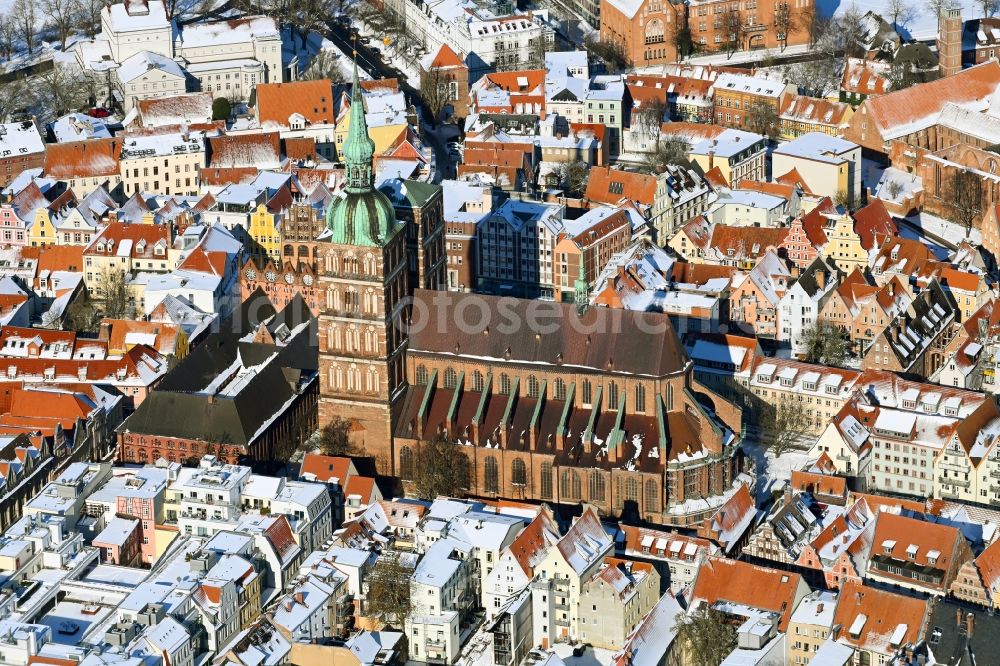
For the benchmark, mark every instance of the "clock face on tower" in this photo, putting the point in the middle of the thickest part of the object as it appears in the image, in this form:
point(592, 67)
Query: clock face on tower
point(289, 278)
point(251, 274)
point(307, 280)
point(270, 276)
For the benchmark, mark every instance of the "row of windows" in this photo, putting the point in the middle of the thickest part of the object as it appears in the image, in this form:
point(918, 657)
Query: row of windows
point(534, 387)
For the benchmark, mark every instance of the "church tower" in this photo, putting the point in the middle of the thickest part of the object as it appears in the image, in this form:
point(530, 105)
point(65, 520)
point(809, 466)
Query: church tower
point(363, 275)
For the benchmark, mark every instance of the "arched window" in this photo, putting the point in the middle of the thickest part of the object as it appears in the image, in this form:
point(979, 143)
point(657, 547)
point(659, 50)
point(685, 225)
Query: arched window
point(546, 481)
point(574, 478)
point(406, 463)
point(518, 473)
point(491, 476)
point(560, 389)
point(421, 375)
point(450, 378)
point(373, 380)
point(587, 392)
point(652, 496)
point(631, 490)
point(564, 483)
point(289, 252)
point(597, 491)
point(505, 384)
point(477, 381)
point(532, 386)
point(640, 398)
point(654, 32)
point(612, 395)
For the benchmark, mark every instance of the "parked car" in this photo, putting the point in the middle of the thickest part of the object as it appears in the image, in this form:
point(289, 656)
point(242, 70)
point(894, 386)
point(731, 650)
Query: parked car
point(99, 112)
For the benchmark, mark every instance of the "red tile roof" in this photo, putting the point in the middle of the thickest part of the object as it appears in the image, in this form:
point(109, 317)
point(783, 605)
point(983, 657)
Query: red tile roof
point(446, 58)
point(244, 150)
point(534, 541)
point(313, 100)
point(898, 110)
point(326, 468)
point(95, 158)
point(874, 224)
point(721, 579)
point(609, 186)
point(819, 484)
point(881, 613)
point(144, 239)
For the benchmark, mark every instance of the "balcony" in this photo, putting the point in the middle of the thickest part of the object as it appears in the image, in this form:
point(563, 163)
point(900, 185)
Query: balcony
point(995, 472)
point(961, 483)
point(561, 606)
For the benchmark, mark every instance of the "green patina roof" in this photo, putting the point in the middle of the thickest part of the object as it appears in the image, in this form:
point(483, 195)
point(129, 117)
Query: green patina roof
point(364, 216)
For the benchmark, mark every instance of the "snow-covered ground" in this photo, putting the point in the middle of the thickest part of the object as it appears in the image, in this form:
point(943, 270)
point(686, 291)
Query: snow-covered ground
point(773, 472)
point(405, 62)
point(944, 229)
point(909, 184)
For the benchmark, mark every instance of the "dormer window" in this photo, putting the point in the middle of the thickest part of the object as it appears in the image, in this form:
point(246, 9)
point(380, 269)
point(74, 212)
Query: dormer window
point(909, 404)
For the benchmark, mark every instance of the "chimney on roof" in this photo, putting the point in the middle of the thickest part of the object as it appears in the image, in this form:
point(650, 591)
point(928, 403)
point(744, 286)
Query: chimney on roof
point(300, 598)
point(958, 617)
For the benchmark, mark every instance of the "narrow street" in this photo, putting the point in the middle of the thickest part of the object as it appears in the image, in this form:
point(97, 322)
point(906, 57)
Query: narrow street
point(368, 59)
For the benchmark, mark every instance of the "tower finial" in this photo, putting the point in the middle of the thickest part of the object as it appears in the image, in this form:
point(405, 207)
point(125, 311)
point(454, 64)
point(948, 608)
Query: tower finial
point(358, 150)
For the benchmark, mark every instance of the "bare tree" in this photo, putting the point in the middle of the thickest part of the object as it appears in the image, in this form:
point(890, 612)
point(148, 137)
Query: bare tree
point(611, 52)
point(902, 12)
point(573, 176)
point(88, 15)
point(684, 41)
point(668, 151)
point(435, 93)
point(847, 32)
point(81, 316)
point(116, 295)
point(13, 95)
point(732, 22)
point(825, 343)
point(783, 424)
point(325, 65)
point(8, 35)
point(62, 15)
point(25, 19)
point(936, 7)
point(762, 118)
point(650, 117)
point(964, 197)
point(62, 89)
point(334, 438)
point(782, 22)
point(706, 635)
point(894, 188)
point(443, 470)
point(388, 598)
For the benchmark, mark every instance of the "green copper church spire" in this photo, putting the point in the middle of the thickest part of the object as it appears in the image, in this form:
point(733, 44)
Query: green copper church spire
point(359, 149)
point(363, 216)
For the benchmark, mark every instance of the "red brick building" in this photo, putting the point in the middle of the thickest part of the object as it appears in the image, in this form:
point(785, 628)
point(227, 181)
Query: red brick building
point(650, 30)
point(21, 147)
point(248, 393)
point(561, 416)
